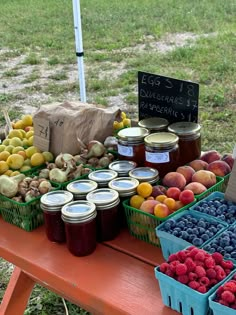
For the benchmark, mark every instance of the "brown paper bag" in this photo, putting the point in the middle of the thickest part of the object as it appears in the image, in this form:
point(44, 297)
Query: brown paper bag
point(60, 128)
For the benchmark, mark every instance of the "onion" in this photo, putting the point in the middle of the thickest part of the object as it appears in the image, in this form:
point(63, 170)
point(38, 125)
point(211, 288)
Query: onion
point(62, 158)
point(44, 173)
point(57, 175)
point(9, 185)
point(95, 149)
point(44, 187)
point(104, 161)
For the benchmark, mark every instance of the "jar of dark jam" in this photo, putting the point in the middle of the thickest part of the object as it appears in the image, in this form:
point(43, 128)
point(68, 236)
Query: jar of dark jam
point(107, 221)
point(126, 188)
point(131, 144)
point(80, 225)
point(80, 188)
point(102, 177)
point(162, 152)
point(51, 203)
point(122, 167)
point(145, 174)
point(189, 140)
point(154, 124)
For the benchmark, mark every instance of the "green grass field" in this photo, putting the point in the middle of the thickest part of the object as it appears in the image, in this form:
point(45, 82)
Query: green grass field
point(188, 40)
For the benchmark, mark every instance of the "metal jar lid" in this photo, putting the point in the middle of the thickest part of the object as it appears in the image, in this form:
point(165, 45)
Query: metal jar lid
point(184, 128)
point(81, 187)
point(78, 211)
point(103, 198)
point(133, 134)
point(102, 176)
point(154, 123)
point(54, 200)
point(161, 140)
point(125, 186)
point(145, 174)
point(122, 167)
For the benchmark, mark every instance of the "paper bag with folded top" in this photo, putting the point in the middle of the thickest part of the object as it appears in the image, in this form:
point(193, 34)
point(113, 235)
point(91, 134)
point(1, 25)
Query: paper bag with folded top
point(63, 128)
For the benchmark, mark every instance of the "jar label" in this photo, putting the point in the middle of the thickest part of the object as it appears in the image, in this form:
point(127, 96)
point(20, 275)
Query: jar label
point(162, 157)
point(125, 150)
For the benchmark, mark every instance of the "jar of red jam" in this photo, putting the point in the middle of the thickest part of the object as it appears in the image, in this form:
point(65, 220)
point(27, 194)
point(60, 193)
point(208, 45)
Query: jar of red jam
point(154, 124)
point(122, 167)
point(126, 187)
point(189, 140)
point(107, 203)
point(80, 188)
point(102, 177)
point(80, 225)
point(162, 152)
point(131, 144)
point(51, 203)
point(145, 174)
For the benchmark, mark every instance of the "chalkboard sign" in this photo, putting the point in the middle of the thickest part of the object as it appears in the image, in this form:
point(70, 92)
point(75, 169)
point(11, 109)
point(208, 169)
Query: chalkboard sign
point(159, 96)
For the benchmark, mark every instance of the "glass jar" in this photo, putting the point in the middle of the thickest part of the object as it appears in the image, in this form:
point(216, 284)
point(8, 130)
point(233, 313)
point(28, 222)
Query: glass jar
point(80, 188)
point(51, 203)
point(145, 174)
point(126, 188)
point(162, 152)
point(107, 202)
point(102, 177)
point(154, 124)
point(80, 226)
point(189, 140)
point(122, 167)
point(131, 144)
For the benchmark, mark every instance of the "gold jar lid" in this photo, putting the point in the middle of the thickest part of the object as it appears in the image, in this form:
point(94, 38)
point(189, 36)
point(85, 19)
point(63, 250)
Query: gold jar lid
point(133, 133)
point(184, 128)
point(161, 140)
point(154, 123)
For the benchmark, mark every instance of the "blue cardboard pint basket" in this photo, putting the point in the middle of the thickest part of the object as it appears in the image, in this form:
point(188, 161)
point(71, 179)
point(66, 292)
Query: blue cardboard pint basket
point(171, 244)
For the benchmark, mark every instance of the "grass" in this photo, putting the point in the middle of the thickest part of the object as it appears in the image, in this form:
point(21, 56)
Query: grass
point(119, 40)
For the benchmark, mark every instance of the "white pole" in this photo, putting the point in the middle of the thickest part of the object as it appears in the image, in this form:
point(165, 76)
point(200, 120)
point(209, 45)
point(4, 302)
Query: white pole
point(79, 48)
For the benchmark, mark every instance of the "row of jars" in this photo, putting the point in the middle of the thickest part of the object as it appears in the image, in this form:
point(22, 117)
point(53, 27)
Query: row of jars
point(163, 150)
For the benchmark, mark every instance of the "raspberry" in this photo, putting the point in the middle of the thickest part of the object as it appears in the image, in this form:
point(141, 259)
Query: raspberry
point(183, 279)
point(193, 251)
point(223, 302)
point(170, 273)
point(211, 273)
point(217, 257)
point(200, 271)
point(219, 291)
point(173, 265)
point(204, 281)
point(233, 306)
point(181, 269)
point(190, 264)
point(192, 276)
point(163, 267)
point(228, 297)
point(202, 289)
point(199, 263)
point(230, 286)
point(181, 255)
point(200, 256)
point(210, 262)
point(213, 282)
point(220, 274)
point(227, 271)
point(194, 285)
point(227, 264)
point(172, 257)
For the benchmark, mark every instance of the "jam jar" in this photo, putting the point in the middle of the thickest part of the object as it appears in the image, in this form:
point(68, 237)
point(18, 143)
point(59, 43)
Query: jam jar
point(80, 188)
point(189, 140)
point(145, 174)
point(131, 144)
point(80, 225)
point(126, 187)
point(102, 177)
point(154, 124)
point(51, 203)
point(162, 152)
point(107, 221)
point(122, 167)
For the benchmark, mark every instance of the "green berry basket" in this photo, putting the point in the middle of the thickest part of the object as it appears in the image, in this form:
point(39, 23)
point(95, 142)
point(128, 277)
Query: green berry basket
point(26, 215)
point(142, 224)
point(219, 186)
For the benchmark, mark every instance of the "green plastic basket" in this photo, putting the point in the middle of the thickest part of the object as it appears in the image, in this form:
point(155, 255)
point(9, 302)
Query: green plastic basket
point(26, 215)
point(142, 224)
point(225, 182)
point(219, 186)
point(33, 169)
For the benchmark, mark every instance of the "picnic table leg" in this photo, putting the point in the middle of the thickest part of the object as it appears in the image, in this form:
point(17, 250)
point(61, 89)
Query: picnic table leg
point(17, 293)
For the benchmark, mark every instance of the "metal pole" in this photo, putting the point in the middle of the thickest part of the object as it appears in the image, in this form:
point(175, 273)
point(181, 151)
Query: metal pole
point(79, 48)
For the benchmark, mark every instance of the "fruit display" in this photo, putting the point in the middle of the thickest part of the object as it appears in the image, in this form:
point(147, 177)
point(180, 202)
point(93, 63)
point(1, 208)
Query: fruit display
point(226, 294)
point(122, 122)
point(196, 268)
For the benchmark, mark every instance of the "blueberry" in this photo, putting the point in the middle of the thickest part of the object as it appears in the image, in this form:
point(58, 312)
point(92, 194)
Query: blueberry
point(207, 247)
point(227, 256)
point(189, 231)
point(189, 224)
point(195, 231)
point(184, 235)
point(180, 224)
point(229, 249)
point(211, 250)
point(197, 241)
point(167, 226)
point(191, 237)
point(222, 252)
point(175, 233)
point(233, 255)
point(198, 208)
point(205, 237)
point(202, 224)
point(194, 220)
point(218, 211)
point(201, 230)
point(172, 222)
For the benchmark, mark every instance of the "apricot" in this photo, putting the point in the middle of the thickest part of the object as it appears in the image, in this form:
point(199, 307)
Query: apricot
point(196, 188)
point(170, 203)
point(210, 156)
point(174, 179)
point(161, 198)
point(178, 205)
point(198, 165)
point(136, 201)
point(161, 210)
point(187, 171)
point(207, 178)
point(144, 189)
point(219, 168)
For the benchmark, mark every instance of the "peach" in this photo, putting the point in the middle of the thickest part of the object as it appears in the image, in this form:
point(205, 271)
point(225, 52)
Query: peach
point(158, 190)
point(178, 205)
point(161, 210)
point(207, 178)
point(174, 179)
point(148, 206)
point(219, 168)
point(198, 165)
point(187, 171)
point(210, 156)
point(228, 158)
point(196, 188)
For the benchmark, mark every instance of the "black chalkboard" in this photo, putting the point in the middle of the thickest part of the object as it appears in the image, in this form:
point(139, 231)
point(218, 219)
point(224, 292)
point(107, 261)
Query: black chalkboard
point(173, 99)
